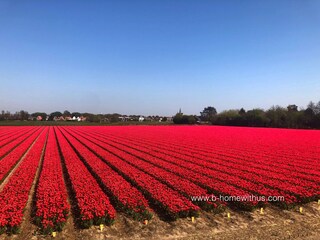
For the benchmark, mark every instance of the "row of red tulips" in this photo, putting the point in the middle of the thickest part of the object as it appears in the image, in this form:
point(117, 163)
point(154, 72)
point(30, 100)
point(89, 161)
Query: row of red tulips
point(167, 166)
point(11, 134)
point(267, 162)
point(182, 185)
point(126, 197)
point(52, 207)
point(250, 181)
point(305, 190)
point(270, 150)
point(6, 131)
point(216, 173)
point(239, 158)
point(172, 203)
point(10, 160)
point(14, 195)
point(215, 186)
point(14, 141)
point(212, 140)
point(271, 142)
point(92, 204)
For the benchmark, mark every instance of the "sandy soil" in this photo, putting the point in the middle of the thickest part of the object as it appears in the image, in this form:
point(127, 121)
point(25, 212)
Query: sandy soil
point(273, 224)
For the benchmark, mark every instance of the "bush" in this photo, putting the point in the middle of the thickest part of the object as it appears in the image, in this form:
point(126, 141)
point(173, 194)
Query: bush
point(179, 118)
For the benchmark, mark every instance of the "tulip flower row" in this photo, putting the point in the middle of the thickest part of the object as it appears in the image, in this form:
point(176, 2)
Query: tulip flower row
point(216, 139)
point(309, 183)
point(4, 131)
point(184, 186)
point(253, 178)
point(172, 203)
point(10, 135)
point(11, 159)
point(52, 207)
point(127, 198)
point(214, 185)
point(286, 155)
point(308, 191)
point(216, 152)
point(279, 143)
point(277, 171)
point(15, 194)
point(14, 141)
point(93, 205)
point(136, 169)
point(267, 162)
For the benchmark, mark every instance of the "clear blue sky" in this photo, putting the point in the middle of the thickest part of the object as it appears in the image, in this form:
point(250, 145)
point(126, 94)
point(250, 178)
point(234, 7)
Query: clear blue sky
point(153, 57)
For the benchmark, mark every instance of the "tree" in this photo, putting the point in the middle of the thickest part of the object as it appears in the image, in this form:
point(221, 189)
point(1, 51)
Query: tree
point(66, 113)
point(76, 114)
point(208, 114)
point(56, 114)
point(292, 108)
point(256, 118)
point(277, 116)
point(242, 112)
point(308, 118)
point(114, 117)
point(42, 114)
point(188, 119)
point(317, 108)
point(180, 118)
point(314, 107)
point(23, 115)
point(177, 119)
point(230, 117)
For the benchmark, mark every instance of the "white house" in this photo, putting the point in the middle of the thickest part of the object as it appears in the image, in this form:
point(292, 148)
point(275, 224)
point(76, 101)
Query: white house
point(141, 119)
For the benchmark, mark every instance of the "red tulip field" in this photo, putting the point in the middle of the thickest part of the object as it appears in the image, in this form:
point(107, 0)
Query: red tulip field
point(93, 174)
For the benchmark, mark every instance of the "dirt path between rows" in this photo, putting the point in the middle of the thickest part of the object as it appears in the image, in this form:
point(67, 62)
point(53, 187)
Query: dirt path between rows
point(273, 224)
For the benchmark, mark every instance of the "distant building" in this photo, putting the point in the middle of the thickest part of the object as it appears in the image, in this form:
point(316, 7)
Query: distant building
point(61, 118)
point(141, 119)
point(125, 118)
point(79, 119)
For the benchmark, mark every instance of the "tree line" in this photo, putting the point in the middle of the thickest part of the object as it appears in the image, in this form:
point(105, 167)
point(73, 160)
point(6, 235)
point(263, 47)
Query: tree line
point(276, 116)
point(90, 117)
